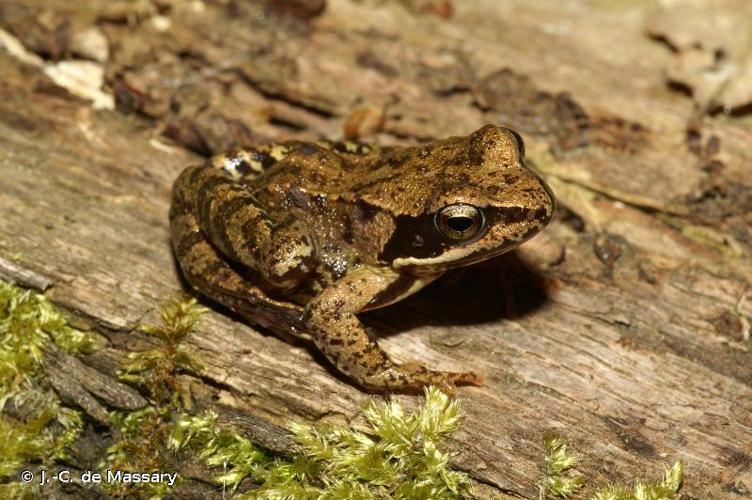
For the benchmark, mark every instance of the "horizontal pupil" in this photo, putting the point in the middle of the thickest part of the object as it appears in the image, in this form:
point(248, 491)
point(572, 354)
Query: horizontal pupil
point(459, 224)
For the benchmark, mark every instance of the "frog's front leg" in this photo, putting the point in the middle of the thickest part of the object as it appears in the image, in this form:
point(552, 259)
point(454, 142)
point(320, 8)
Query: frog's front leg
point(332, 322)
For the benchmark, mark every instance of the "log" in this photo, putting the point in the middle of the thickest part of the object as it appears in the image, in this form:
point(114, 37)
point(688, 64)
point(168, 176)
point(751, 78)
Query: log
point(625, 326)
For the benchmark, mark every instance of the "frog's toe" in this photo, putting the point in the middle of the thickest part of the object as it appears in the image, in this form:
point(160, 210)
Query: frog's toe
point(414, 376)
point(468, 378)
point(447, 382)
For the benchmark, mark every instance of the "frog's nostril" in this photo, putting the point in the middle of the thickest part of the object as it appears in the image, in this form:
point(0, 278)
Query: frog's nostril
point(515, 214)
point(542, 214)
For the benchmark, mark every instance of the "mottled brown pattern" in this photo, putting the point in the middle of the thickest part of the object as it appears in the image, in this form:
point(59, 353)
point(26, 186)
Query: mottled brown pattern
point(302, 237)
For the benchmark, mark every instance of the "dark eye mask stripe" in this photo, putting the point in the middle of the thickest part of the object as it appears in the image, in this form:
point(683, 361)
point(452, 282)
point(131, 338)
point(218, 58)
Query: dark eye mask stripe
point(409, 230)
point(413, 237)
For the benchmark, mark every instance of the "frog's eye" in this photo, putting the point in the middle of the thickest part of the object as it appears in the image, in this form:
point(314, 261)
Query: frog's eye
point(459, 222)
point(520, 142)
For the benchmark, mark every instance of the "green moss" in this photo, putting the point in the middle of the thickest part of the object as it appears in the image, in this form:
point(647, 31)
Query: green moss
point(42, 436)
point(560, 481)
point(155, 369)
point(667, 488)
point(142, 435)
point(28, 322)
point(40, 430)
point(218, 447)
point(19, 491)
point(139, 446)
point(398, 456)
point(559, 478)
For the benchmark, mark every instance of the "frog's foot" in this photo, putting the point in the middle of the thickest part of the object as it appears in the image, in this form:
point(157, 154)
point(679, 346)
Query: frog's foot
point(411, 376)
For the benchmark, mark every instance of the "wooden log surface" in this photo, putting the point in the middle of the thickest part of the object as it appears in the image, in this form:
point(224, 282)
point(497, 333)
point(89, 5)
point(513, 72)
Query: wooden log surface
point(625, 326)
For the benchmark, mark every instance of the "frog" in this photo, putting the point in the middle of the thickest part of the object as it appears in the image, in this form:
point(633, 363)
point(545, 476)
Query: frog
point(300, 238)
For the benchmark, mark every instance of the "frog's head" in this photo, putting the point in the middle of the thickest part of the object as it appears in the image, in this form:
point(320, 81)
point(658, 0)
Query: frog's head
point(480, 200)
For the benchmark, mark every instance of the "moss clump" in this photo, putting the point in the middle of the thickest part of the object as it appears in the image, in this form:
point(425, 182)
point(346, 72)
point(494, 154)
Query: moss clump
point(398, 456)
point(155, 369)
point(39, 429)
point(667, 488)
point(44, 434)
point(220, 448)
point(142, 435)
point(28, 323)
point(559, 479)
point(139, 446)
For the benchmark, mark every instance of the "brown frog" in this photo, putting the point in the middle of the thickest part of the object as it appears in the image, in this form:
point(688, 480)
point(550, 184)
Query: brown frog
point(300, 237)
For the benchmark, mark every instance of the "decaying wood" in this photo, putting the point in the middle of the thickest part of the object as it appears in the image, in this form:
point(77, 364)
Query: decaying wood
point(625, 326)
point(81, 385)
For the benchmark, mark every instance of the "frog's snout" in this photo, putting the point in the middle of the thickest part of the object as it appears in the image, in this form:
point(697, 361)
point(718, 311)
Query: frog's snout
point(549, 202)
point(535, 198)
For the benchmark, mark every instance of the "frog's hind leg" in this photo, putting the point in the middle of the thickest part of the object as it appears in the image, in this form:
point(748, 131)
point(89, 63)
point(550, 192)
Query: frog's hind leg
point(237, 225)
point(337, 332)
point(209, 273)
